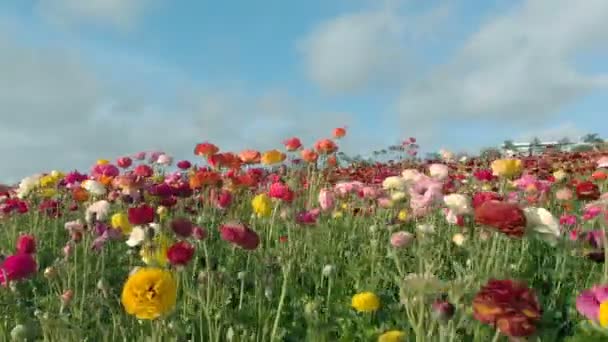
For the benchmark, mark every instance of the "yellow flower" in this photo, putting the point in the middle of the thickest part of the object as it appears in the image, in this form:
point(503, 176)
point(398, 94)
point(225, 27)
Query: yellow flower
point(149, 293)
point(402, 216)
point(272, 157)
point(121, 221)
point(337, 214)
point(365, 302)
point(57, 174)
point(47, 181)
point(560, 175)
point(102, 161)
point(603, 315)
point(486, 187)
point(48, 192)
point(262, 206)
point(392, 336)
point(507, 168)
point(155, 252)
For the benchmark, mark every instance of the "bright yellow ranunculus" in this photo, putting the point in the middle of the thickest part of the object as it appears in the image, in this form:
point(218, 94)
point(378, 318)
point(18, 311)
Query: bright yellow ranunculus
point(365, 302)
point(121, 221)
point(272, 157)
point(262, 205)
point(507, 168)
point(392, 336)
point(402, 216)
point(149, 293)
point(603, 314)
point(102, 161)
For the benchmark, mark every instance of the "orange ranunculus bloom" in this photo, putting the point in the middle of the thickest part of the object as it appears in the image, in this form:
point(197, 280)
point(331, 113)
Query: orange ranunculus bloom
point(273, 157)
point(509, 305)
point(205, 149)
point(203, 177)
point(250, 156)
point(339, 132)
point(292, 144)
point(309, 155)
point(226, 160)
point(326, 146)
point(508, 218)
point(80, 195)
point(106, 180)
point(599, 175)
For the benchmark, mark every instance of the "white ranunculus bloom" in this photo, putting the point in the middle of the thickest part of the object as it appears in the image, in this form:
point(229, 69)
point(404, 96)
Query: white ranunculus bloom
point(439, 171)
point(394, 183)
point(457, 203)
point(94, 187)
point(540, 221)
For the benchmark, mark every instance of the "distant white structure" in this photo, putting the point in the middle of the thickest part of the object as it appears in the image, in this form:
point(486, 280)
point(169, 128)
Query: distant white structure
point(519, 148)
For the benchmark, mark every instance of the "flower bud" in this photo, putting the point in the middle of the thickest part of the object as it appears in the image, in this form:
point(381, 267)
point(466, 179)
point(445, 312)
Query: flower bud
point(442, 310)
point(328, 270)
point(50, 272)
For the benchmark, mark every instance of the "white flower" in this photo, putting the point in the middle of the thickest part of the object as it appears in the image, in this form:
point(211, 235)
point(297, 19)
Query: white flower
point(394, 183)
point(100, 209)
point(458, 204)
point(542, 222)
point(397, 196)
point(446, 155)
point(458, 239)
point(164, 159)
point(411, 175)
point(94, 187)
point(439, 171)
point(328, 270)
point(602, 162)
point(426, 228)
point(137, 236)
point(28, 184)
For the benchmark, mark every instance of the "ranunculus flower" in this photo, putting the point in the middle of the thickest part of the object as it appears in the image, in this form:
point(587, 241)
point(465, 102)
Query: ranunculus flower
point(184, 164)
point(424, 193)
point(480, 198)
point(124, 162)
point(457, 203)
point(394, 183)
point(223, 199)
point(326, 199)
point(26, 244)
point(250, 156)
point(141, 215)
point(507, 168)
point(164, 159)
point(541, 221)
point(339, 132)
point(587, 191)
point(401, 239)
point(508, 305)
point(564, 194)
point(439, 171)
point(272, 157)
point(308, 216)
point(240, 235)
point(143, 170)
point(17, 267)
point(292, 144)
point(182, 227)
point(326, 146)
point(281, 191)
point(484, 175)
point(309, 155)
point(199, 233)
point(507, 218)
point(180, 253)
point(205, 149)
point(590, 303)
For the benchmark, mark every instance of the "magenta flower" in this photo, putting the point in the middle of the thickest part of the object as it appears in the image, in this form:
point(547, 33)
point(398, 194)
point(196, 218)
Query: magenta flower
point(588, 302)
point(308, 217)
point(567, 220)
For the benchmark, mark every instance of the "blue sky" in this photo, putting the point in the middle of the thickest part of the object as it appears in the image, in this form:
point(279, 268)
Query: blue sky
point(104, 78)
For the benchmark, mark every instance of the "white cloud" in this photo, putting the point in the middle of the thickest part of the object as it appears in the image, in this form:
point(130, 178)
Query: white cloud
point(119, 13)
point(60, 111)
point(518, 67)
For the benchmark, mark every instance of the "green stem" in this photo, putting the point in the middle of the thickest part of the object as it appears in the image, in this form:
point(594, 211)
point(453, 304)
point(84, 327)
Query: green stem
point(277, 318)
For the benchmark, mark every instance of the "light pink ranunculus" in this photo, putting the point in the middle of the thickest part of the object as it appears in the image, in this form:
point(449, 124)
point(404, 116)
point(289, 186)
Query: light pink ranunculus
point(326, 199)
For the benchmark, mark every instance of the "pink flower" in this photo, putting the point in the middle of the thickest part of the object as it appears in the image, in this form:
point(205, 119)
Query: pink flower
point(345, 188)
point(308, 217)
point(124, 162)
point(370, 192)
point(439, 171)
point(240, 235)
point(484, 175)
point(589, 301)
point(591, 213)
point(223, 199)
point(327, 199)
point(184, 164)
point(567, 220)
point(199, 233)
point(281, 191)
point(564, 194)
point(401, 239)
point(425, 193)
point(140, 156)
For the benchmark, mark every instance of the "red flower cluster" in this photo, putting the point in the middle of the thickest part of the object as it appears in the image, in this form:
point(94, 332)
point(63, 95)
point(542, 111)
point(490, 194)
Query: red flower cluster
point(143, 214)
point(180, 253)
point(508, 305)
point(587, 191)
point(240, 235)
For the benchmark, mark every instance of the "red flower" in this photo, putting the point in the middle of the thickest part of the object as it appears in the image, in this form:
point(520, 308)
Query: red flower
point(124, 162)
point(587, 191)
point(292, 144)
point(206, 149)
point(143, 171)
point(281, 191)
point(50, 207)
point(508, 218)
point(240, 235)
point(509, 305)
point(182, 227)
point(17, 267)
point(326, 146)
point(143, 214)
point(199, 233)
point(223, 199)
point(484, 175)
point(26, 244)
point(339, 132)
point(184, 164)
point(180, 253)
point(481, 197)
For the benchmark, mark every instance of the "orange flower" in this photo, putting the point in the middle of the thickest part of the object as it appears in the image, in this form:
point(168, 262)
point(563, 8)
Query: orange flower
point(273, 157)
point(326, 146)
point(203, 177)
point(250, 156)
point(292, 144)
point(227, 160)
point(80, 195)
point(332, 161)
point(599, 175)
point(205, 149)
point(339, 132)
point(309, 155)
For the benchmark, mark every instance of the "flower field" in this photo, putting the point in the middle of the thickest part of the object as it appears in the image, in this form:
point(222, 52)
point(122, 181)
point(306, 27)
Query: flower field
point(294, 244)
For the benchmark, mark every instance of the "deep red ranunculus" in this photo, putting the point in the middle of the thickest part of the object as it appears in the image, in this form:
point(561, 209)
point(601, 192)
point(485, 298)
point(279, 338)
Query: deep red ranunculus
point(184, 164)
point(182, 227)
point(26, 244)
point(17, 267)
point(143, 170)
point(508, 218)
point(281, 191)
point(180, 253)
point(587, 191)
point(143, 214)
point(240, 235)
